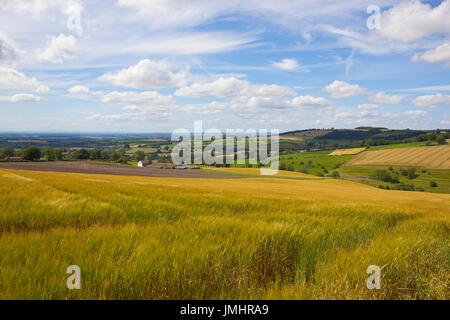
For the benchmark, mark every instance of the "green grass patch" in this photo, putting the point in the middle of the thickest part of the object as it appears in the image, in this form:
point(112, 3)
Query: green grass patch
point(313, 162)
point(424, 177)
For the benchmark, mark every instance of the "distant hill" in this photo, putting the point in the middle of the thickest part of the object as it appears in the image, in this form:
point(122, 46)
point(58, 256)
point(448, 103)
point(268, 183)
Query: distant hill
point(304, 134)
point(360, 133)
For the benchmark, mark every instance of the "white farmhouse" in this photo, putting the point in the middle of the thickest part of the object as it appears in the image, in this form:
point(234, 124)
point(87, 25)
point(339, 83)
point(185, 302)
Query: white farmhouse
point(143, 163)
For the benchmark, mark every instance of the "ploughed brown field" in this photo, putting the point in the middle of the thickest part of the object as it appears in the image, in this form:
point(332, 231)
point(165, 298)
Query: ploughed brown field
point(109, 168)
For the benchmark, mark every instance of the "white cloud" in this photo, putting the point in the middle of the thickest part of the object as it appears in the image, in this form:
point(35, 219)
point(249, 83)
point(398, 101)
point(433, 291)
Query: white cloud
point(190, 43)
point(24, 97)
point(445, 121)
point(38, 7)
point(79, 89)
point(147, 98)
point(162, 14)
point(270, 90)
point(342, 89)
point(309, 102)
point(255, 103)
point(221, 88)
point(8, 52)
point(345, 115)
point(286, 64)
point(431, 101)
point(368, 106)
point(33, 6)
point(12, 79)
point(166, 14)
point(241, 95)
point(440, 54)
point(412, 20)
point(214, 107)
point(230, 87)
point(135, 116)
point(433, 88)
point(381, 97)
point(59, 49)
point(147, 74)
point(131, 107)
point(415, 113)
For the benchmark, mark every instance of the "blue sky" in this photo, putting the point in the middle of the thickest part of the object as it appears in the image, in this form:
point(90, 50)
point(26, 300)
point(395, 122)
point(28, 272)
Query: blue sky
point(155, 66)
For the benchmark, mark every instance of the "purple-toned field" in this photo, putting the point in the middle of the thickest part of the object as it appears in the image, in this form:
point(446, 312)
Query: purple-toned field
point(109, 168)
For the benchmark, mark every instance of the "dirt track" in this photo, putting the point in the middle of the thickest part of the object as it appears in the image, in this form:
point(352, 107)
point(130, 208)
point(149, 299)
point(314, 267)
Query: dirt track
point(109, 168)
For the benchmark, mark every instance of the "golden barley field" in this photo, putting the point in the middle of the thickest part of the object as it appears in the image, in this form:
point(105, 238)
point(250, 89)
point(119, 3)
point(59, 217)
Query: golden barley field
point(249, 238)
point(436, 157)
point(341, 152)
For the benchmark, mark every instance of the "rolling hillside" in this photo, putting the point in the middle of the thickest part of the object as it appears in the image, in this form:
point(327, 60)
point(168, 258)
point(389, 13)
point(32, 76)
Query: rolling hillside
point(436, 157)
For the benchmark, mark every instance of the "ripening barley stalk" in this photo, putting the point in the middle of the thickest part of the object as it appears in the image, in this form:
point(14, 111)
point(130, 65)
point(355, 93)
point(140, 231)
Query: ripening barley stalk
point(169, 238)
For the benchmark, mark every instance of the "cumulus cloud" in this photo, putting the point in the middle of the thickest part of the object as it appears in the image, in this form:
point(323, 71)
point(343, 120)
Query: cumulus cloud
point(220, 88)
point(124, 117)
point(12, 79)
point(24, 97)
point(309, 102)
point(241, 94)
point(368, 106)
point(439, 54)
point(230, 87)
point(59, 49)
point(286, 64)
point(147, 74)
point(79, 90)
point(431, 101)
point(214, 107)
point(415, 113)
point(341, 89)
point(146, 106)
point(147, 98)
point(413, 20)
point(270, 90)
point(255, 103)
point(381, 97)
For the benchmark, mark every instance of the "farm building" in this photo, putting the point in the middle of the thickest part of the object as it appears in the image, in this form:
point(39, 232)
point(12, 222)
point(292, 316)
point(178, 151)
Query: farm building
point(171, 166)
point(163, 165)
point(13, 158)
point(143, 163)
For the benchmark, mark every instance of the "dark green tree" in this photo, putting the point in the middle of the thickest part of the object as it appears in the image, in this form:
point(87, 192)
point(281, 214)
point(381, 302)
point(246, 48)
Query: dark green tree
point(140, 155)
point(32, 153)
point(48, 153)
point(7, 152)
point(58, 154)
point(440, 139)
point(82, 154)
point(115, 156)
point(95, 154)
